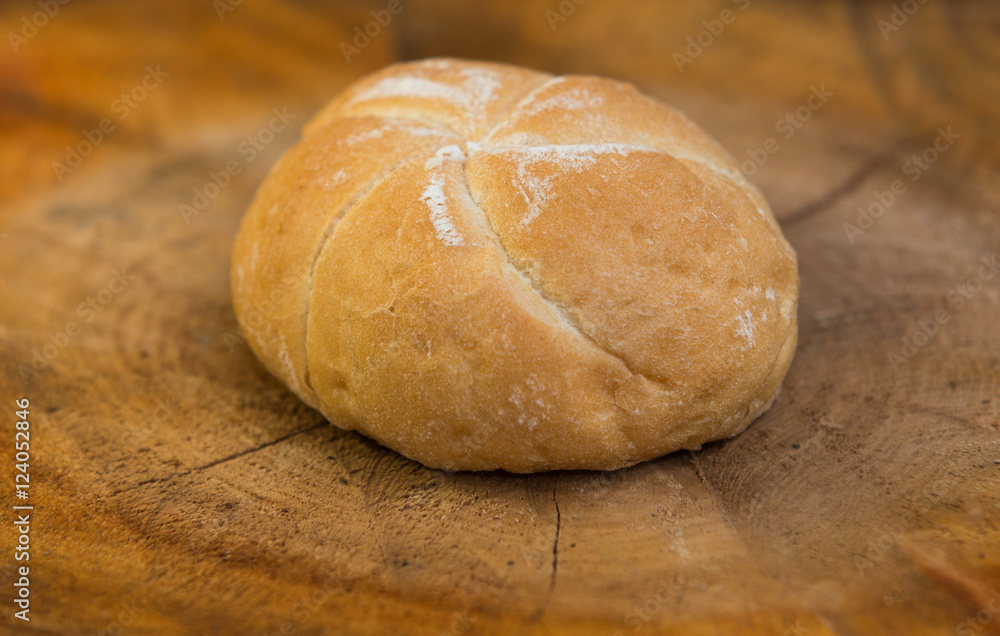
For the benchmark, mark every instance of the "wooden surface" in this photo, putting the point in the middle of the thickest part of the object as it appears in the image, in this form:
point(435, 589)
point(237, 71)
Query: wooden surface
point(180, 489)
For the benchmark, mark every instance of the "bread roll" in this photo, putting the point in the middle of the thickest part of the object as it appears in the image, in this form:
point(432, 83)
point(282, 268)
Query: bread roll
point(487, 267)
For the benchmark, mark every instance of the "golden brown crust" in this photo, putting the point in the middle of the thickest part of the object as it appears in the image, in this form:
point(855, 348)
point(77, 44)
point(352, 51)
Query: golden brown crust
point(297, 207)
point(551, 273)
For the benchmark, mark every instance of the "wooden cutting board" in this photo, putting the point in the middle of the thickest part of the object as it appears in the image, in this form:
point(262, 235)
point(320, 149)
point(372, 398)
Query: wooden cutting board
point(178, 488)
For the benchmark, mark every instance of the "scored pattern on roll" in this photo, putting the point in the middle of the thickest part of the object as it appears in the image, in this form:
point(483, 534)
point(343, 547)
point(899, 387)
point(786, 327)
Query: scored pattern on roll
point(482, 266)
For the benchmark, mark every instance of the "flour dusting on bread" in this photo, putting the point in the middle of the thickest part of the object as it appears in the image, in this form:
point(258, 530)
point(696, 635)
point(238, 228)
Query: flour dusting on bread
point(538, 165)
point(435, 198)
point(478, 88)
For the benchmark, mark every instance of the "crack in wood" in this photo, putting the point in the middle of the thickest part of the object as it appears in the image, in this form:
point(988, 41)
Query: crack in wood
point(723, 510)
point(259, 446)
point(851, 184)
point(555, 542)
point(221, 460)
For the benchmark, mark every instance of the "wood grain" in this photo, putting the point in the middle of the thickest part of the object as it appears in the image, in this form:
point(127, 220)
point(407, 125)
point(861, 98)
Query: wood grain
point(178, 488)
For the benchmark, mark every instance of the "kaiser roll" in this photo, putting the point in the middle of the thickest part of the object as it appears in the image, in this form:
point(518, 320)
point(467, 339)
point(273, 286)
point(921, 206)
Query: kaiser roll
point(482, 266)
